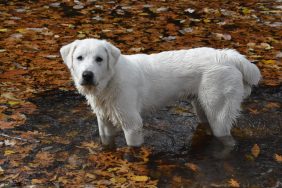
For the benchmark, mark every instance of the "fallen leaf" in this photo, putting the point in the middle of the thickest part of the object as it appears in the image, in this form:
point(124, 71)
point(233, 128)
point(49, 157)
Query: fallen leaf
point(91, 176)
point(245, 10)
point(37, 181)
point(3, 30)
point(192, 166)
point(44, 158)
point(278, 158)
point(118, 180)
point(233, 183)
point(272, 105)
point(269, 62)
point(8, 152)
point(177, 179)
point(255, 150)
point(140, 178)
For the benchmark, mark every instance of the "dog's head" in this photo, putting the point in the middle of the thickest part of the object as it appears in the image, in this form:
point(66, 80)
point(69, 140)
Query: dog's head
point(91, 62)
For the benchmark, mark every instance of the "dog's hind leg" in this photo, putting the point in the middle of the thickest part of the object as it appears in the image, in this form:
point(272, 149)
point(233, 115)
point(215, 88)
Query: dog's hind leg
point(221, 96)
point(204, 123)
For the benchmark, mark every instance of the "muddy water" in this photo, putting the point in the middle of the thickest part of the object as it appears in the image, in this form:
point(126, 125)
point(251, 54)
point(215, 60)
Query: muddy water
point(175, 140)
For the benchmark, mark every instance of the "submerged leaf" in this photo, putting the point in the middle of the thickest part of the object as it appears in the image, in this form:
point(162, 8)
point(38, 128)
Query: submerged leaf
point(233, 183)
point(278, 158)
point(255, 150)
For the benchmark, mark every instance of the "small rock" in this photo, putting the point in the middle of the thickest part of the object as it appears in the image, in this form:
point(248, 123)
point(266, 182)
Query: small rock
point(279, 55)
point(169, 38)
point(77, 7)
point(129, 30)
point(265, 46)
point(186, 30)
point(136, 50)
point(15, 18)
point(55, 5)
point(189, 10)
point(81, 35)
point(223, 36)
point(21, 10)
point(51, 56)
point(147, 6)
point(162, 9)
point(98, 18)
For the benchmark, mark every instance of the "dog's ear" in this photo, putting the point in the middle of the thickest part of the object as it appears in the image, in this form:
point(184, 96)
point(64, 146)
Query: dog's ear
point(112, 51)
point(67, 52)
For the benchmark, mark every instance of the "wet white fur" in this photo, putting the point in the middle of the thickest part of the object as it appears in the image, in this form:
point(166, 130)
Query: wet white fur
point(216, 80)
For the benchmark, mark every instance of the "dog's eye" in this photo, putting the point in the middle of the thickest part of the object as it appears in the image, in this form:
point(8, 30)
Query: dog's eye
point(79, 58)
point(98, 59)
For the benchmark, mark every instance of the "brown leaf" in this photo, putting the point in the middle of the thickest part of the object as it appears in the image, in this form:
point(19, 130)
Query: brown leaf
point(44, 158)
point(37, 181)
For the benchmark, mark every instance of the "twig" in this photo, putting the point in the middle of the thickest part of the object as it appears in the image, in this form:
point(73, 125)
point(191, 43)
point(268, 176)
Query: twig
point(19, 138)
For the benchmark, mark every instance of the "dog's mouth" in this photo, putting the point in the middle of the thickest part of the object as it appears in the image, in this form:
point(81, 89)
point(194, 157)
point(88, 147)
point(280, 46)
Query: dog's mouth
point(89, 83)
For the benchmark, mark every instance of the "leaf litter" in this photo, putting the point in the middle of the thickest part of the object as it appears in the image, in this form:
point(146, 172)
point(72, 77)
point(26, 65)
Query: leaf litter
point(30, 64)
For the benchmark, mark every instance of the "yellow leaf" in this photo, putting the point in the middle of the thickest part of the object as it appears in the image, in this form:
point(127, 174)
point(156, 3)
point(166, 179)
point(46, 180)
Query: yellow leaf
point(118, 180)
point(246, 10)
point(139, 178)
point(21, 30)
point(255, 150)
point(13, 103)
point(9, 152)
point(233, 183)
point(278, 158)
point(112, 169)
point(206, 20)
point(269, 62)
point(3, 30)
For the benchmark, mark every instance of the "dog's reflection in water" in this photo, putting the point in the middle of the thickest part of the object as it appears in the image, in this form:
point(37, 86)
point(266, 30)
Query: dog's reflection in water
point(203, 142)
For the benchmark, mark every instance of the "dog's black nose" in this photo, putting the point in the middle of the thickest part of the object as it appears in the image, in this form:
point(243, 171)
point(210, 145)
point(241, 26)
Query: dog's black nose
point(88, 76)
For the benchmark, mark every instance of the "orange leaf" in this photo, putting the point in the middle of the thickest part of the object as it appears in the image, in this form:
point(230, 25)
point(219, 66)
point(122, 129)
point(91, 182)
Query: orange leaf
point(233, 183)
point(12, 73)
point(255, 150)
point(192, 166)
point(278, 158)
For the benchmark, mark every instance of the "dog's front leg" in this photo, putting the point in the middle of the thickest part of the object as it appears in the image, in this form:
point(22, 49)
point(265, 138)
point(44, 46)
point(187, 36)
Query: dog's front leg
point(133, 130)
point(107, 132)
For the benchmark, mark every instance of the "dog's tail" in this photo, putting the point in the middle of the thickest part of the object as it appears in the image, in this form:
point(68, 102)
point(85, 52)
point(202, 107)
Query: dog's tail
point(250, 72)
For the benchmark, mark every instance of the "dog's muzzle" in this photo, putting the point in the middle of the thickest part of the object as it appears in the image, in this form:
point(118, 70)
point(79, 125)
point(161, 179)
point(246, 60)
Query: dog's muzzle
point(88, 78)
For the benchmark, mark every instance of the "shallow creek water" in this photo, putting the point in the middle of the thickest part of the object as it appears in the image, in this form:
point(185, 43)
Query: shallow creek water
point(174, 139)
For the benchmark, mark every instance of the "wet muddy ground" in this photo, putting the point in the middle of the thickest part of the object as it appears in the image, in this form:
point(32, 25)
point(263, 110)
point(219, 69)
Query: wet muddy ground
point(175, 141)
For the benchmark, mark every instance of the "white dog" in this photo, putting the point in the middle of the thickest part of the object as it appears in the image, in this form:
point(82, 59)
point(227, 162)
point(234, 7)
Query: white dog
point(120, 88)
